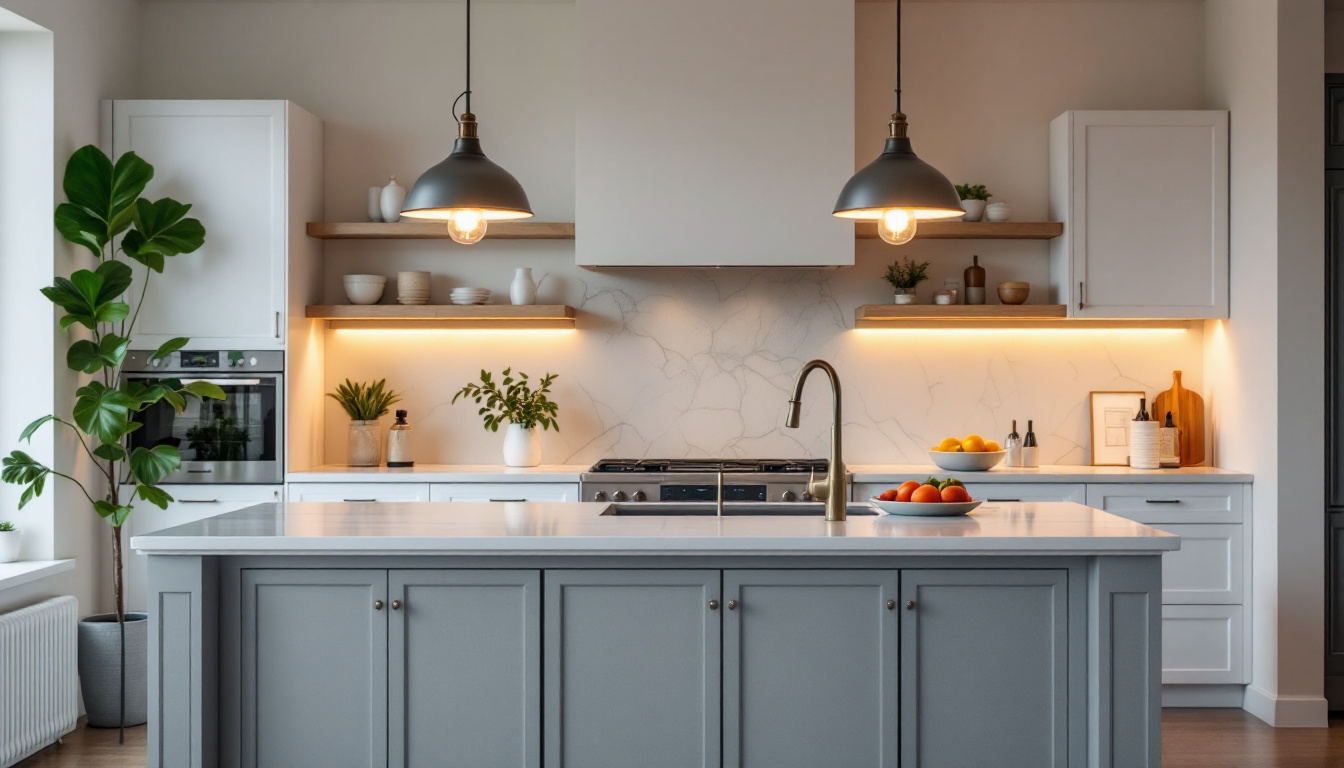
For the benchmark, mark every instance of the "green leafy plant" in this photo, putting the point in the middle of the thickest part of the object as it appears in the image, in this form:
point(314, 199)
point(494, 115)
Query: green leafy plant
point(365, 402)
point(7, 527)
point(973, 191)
point(905, 276)
point(513, 400)
point(105, 202)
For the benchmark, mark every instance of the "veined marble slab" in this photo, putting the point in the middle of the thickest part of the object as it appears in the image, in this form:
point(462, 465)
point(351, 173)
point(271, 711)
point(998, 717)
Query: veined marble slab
point(581, 528)
point(440, 473)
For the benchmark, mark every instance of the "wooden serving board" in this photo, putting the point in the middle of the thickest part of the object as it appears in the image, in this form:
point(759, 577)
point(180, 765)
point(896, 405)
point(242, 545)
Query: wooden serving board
point(1187, 412)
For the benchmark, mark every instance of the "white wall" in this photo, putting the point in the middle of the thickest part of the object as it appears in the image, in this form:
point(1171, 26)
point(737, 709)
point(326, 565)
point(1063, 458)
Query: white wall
point(94, 46)
point(1265, 363)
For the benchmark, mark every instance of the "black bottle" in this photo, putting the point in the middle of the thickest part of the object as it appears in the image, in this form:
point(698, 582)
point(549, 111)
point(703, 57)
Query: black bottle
point(1030, 451)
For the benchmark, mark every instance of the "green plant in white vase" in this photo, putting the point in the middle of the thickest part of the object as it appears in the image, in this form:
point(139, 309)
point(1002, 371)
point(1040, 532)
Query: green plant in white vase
point(905, 276)
point(365, 404)
point(973, 199)
point(514, 402)
point(9, 542)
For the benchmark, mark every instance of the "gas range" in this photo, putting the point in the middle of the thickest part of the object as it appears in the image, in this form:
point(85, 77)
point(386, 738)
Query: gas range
point(625, 480)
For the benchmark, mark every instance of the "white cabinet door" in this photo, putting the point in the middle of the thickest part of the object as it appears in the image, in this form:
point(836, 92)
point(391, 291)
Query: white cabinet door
point(352, 492)
point(1144, 200)
point(504, 492)
point(228, 160)
point(190, 503)
point(1170, 502)
point(1203, 644)
point(1010, 492)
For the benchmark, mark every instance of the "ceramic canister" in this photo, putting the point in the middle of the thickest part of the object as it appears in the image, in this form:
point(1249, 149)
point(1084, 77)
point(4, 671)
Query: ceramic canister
point(393, 198)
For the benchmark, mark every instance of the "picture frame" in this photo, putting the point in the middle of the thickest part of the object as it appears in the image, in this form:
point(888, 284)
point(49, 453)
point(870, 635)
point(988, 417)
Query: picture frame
point(1111, 413)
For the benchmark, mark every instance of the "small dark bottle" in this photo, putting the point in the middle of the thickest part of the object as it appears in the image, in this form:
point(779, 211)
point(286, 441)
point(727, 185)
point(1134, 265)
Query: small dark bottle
point(1030, 451)
point(1143, 410)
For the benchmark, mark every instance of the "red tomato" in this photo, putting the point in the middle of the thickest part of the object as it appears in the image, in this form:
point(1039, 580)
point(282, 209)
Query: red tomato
point(889, 495)
point(906, 490)
point(955, 493)
point(926, 494)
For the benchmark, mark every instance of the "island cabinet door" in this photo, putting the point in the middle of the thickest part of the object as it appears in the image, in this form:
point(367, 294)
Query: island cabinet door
point(464, 669)
point(314, 668)
point(810, 669)
point(632, 668)
point(984, 668)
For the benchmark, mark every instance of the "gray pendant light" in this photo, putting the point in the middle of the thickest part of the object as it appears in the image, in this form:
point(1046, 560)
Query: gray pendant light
point(467, 190)
point(898, 189)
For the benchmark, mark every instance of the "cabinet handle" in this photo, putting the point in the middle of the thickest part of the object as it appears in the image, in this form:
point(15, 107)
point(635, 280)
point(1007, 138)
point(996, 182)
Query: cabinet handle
point(1080, 294)
point(352, 501)
point(377, 605)
point(891, 605)
point(277, 325)
point(506, 501)
point(713, 605)
point(396, 605)
point(909, 605)
point(1161, 501)
point(732, 605)
point(197, 501)
point(1002, 501)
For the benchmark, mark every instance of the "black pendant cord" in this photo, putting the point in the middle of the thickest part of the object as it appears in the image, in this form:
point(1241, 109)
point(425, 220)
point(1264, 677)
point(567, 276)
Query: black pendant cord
point(898, 54)
point(467, 92)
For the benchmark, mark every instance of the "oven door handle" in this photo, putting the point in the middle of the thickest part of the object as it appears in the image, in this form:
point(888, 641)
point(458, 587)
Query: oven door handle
point(225, 382)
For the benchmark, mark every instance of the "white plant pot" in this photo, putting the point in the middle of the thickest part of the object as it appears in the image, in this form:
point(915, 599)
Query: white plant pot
point(364, 444)
point(522, 291)
point(998, 212)
point(905, 298)
point(522, 446)
point(9, 546)
point(975, 210)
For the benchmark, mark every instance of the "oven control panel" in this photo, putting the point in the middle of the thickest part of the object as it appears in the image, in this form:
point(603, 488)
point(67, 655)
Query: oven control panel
point(202, 361)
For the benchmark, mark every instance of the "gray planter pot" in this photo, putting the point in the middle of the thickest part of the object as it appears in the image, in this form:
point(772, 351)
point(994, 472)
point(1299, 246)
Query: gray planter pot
point(100, 668)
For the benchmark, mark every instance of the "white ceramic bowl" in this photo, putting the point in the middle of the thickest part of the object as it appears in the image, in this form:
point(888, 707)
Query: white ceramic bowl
point(364, 293)
point(967, 462)
point(380, 279)
point(924, 509)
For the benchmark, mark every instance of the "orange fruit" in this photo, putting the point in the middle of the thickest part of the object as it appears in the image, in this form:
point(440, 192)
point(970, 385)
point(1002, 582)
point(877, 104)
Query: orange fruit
point(973, 444)
point(992, 446)
point(948, 444)
point(906, 490)
point(955, 493)
point(926, 494)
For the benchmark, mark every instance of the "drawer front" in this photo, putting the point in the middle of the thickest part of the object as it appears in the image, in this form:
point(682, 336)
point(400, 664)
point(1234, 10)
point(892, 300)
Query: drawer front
point(1209, 566)
point(504, 492)
point(1170, 502)
point(1001, 492)
point(359, 492)
point(1203, 644)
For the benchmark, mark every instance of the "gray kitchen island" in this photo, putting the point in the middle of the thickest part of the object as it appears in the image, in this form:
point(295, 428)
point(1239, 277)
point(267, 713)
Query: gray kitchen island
point(576, 635)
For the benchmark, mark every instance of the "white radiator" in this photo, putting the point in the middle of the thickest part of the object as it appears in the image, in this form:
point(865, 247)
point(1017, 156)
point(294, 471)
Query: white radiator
point(38, 677)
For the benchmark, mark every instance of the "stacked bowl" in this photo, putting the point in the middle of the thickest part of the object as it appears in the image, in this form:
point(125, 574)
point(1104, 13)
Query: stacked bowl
point(470, 295)
point(412, 287)
point(364, 289)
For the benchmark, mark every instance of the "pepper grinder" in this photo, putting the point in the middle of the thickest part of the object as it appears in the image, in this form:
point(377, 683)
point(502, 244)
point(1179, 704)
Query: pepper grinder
point(975, 282)
point(399, 443)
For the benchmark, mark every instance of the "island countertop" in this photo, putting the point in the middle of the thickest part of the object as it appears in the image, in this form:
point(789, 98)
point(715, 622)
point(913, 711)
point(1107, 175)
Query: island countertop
point(509, 528)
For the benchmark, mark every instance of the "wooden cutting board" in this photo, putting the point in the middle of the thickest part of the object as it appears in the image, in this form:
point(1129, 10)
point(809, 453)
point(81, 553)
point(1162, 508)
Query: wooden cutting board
point(1187, 412)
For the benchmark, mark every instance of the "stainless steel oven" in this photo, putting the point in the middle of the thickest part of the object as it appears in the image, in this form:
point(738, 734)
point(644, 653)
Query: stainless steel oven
point(236, 440)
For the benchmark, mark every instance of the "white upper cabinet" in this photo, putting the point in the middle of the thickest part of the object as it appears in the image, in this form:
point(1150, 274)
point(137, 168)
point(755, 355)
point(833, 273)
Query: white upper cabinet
point(714, 133)
point(1143, 198)
point(230, 160)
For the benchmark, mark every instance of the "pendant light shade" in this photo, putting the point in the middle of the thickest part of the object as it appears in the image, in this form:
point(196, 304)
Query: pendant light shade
point(898, 190)
point(467, 190)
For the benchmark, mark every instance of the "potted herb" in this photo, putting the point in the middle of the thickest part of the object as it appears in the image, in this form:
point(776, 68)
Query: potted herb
point(364, 404)
point(107, 215)
point(973, 199)
point(904, 277)
point(515, 402)
point(9, 542)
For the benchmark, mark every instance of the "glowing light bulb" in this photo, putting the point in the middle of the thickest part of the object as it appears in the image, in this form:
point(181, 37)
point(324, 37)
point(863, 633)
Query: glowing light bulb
point(466, 226)
point(897, 225)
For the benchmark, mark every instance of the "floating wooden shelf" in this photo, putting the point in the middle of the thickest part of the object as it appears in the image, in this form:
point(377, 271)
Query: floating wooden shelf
point(973, 230)
point(989, 316)
point(450, 316)
point(437, 230)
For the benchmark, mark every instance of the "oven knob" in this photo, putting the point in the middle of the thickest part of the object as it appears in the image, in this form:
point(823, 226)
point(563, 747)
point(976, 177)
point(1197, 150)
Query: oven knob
point(600, 496)
point(788, 496)
point(153, 362)
point(252, 361)
point(808, 496)
point(639, 496)
point(619, 496)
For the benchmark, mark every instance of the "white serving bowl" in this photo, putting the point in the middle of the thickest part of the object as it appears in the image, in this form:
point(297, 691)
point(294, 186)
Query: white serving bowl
point(967, 462)
point(364, 292)
point(924, 509)
point(380, 279)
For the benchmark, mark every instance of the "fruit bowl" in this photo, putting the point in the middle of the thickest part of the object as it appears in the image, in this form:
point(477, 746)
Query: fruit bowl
point(967, 462)
point(925, 509)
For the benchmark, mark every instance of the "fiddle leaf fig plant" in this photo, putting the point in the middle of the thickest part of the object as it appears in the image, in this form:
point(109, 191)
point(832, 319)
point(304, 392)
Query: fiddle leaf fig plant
point(100, 307)
point(513, 400)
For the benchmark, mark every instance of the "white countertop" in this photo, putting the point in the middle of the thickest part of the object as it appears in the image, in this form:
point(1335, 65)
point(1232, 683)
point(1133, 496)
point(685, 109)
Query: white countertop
point(863, 473)
point(432, 528)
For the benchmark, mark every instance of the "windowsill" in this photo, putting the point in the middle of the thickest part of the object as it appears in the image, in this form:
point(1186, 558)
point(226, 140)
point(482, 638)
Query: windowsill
point(25, 571)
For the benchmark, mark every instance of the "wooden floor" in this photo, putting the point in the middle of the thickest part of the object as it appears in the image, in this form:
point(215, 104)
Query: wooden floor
point(1191, 738)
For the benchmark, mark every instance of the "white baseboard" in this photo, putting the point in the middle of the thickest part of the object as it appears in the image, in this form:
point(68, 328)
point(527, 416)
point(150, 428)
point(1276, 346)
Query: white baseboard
point(1287, 711)
point(1218, 696)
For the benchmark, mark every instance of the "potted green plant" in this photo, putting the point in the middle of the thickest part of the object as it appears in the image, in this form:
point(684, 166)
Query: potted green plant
point(973, 199)
point(101, 306)
point(513, 401)
point(9, 542)
point(905, 277)
point(364, 404)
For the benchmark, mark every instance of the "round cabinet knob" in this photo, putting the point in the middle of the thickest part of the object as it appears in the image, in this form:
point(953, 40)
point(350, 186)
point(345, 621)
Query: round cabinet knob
point(909, 605)
point(377, 605)
point(600, 496)
point(639, 496)
point(732, 605)
point(891, 605)
point(396, 605)
point(619, 496)
point(713, 605)
point(788, 496)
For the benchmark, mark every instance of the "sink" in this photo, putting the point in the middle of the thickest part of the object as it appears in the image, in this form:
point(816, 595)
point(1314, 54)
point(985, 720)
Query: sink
point(730, 509)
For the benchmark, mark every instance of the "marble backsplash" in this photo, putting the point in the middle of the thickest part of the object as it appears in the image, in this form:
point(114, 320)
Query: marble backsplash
point(700, 362)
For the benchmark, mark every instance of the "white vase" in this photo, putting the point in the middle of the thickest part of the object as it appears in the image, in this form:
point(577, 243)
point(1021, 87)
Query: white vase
point(9, 546)
point(364, 444)
point(393, 198)
point(522, 291)
point(522, 446)
point(975, 210)
point(375, 203)
point(905, 296)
